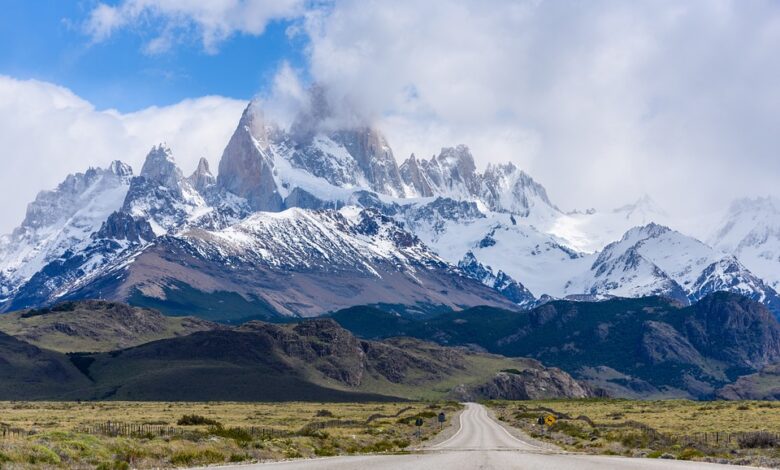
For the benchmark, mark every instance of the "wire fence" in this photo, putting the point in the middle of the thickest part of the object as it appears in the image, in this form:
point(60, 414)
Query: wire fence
point(114, 428)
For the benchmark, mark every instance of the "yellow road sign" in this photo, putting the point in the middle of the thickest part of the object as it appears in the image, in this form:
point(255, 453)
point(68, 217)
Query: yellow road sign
point(549, 420)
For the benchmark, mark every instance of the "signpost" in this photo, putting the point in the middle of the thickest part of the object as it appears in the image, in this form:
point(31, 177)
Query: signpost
point(549, 420)
point(418, 422)
point(442, 418)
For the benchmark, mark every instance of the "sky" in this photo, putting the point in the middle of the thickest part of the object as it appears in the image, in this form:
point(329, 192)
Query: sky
point(601, 101)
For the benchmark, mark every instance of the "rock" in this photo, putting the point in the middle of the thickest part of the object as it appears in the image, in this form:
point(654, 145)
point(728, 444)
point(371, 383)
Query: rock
point(246, 168)
point(123, 226)
point(202, 179)
point(535, 383)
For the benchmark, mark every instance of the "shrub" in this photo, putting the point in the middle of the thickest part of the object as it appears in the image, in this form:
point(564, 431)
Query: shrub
point(570, 429)
point(325, 451)
point(324, 414)
point(42, 455)
point(385, 446)
point(689, 453)
point(237, 434)
point(4, 458)
point(197, 420)
point(743, 407)
point(189, 457)
point(234, 458)
point(757, 440)
point(635, 440)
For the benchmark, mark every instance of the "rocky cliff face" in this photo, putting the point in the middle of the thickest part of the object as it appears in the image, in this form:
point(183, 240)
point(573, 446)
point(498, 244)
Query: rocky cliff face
point(246, 168)
point(530, 384)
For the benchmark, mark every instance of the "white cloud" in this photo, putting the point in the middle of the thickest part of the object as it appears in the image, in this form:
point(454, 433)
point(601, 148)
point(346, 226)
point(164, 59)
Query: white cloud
point(212, 21)
point(601, 101)
point(47, 132)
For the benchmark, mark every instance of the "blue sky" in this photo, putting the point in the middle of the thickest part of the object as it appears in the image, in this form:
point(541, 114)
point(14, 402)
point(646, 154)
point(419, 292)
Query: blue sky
point(45, 40)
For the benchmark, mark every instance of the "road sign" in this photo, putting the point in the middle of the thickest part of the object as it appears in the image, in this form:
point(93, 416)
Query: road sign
point(442, 419)
point(418, 422)
point(549, 420)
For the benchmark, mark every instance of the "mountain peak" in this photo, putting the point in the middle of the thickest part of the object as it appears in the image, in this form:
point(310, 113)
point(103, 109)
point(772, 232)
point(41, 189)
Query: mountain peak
point(651, 230)
point(458, 159)
point(120, 169)
point(202, 178)
point(160, 167)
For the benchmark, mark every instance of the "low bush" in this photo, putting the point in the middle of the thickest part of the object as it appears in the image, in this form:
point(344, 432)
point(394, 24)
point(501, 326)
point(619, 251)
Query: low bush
point(757, 440)
point(689, 453)
point(235, 458)
point(237, 434)
point(201, 457)
point(324, 414)
point(570, 429)
point(197, 420)
point(42, 455)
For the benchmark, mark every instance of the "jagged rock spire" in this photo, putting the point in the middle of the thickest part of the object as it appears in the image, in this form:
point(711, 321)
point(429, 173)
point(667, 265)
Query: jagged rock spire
point(160, 168)
point(202, 178)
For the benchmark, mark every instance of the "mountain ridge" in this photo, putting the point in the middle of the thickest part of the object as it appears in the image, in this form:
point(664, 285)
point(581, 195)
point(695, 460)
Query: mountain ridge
point(497, 228)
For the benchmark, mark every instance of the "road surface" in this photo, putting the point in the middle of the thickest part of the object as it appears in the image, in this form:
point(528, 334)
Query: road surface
point(482, 443)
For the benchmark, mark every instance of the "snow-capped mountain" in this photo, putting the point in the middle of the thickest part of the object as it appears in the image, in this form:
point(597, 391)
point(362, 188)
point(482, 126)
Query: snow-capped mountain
point(60, 220)
point(319, 216)
point(506, 242)
point(500, 281)
point(162, 195)
point(750, 231)
point(295, 262)
point(655, 260)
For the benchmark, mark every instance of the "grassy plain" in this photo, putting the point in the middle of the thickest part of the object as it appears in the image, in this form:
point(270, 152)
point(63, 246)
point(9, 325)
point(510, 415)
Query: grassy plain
point(739, 432)
point(53, 434)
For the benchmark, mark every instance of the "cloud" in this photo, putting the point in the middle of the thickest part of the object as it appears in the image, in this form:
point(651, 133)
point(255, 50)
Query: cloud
point(211, 21)
point(48, 132)
point(601, 101)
